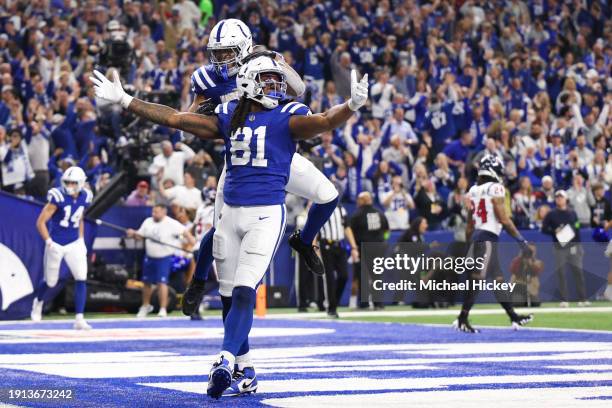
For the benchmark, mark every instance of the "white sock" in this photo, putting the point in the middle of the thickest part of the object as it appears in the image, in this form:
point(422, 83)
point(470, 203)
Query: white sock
point(229, 357)
point(162, 309)
point(79, 316)
point(244, 361)
point(353, 302)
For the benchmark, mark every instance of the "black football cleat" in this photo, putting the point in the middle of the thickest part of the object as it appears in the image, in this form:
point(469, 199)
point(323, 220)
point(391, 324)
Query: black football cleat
point(308, 253)
point(519, 321)
point(462, 324)
point(193, 297)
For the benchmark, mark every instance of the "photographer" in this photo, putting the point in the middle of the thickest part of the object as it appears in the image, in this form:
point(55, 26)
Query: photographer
point(525, 270)
point(116, 51)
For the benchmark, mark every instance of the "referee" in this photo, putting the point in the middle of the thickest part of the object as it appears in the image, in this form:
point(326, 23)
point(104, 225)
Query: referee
point(331, 241)
point(368, 225)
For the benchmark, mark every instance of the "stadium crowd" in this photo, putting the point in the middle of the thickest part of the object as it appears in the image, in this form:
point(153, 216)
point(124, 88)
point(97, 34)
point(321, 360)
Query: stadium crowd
point(528, 81)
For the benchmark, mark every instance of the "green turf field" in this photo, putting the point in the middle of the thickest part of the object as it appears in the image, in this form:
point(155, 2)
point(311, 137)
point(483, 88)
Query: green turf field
point(587, 320)
point(596, 317)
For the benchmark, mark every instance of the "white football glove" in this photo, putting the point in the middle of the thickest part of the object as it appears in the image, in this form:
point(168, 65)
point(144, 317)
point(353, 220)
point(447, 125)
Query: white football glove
point(51, 245)
point(110, 91)
point(359, 91)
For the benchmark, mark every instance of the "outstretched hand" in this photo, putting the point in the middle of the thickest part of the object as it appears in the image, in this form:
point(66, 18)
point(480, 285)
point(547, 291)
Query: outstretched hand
point(359, 91)
point(110, 91)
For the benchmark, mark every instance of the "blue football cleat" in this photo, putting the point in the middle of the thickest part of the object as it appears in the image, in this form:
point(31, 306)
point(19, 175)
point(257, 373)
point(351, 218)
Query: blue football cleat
point(220, 378)
point(243, 383)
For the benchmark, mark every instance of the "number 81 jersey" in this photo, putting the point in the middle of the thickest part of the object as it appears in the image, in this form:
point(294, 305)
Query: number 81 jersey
point(481, 202)
point(64, 225)
point(258, 154)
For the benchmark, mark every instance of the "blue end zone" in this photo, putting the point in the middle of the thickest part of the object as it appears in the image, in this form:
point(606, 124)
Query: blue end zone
point(334, 360)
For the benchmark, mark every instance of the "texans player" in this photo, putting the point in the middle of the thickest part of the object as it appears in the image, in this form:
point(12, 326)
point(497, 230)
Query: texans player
point(64, 240)
point(229, 45)
point(486, 218)
point(260, 137)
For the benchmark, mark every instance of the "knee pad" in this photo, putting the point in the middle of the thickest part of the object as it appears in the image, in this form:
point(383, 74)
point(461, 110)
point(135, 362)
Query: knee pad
point(243, 296)
point(219, 250)
point(326, 192)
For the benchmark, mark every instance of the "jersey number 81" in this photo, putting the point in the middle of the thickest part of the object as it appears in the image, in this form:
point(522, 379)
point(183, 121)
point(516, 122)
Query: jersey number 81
point(244, 145)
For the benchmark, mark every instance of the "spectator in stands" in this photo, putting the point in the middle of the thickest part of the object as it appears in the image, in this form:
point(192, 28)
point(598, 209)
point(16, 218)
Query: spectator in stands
point(341, 66)
point(382, 93)
point(330, 154)
point(458, 210)
point(397, 204)
point(601, 212)
point(457, 151)
point(431, 205)
point(541, 213)
point(38, 152)
point(443, 176)
point(546, 193)
point(140, 196)
point(170, 164)
point(201, 168)
point(16, 167)
point(185, 195)
point(580, 199)
point(524, 204)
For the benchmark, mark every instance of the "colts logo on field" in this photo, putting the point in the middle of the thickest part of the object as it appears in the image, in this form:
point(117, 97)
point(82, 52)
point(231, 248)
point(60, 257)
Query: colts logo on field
point(15, 280)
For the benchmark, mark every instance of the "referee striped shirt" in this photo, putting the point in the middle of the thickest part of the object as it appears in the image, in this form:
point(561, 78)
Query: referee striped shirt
point(333, 230)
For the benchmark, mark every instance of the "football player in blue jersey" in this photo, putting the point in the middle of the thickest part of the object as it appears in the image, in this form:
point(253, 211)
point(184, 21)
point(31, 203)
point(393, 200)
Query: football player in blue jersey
point(229, 45)
point(64, 240)
point(260, 137)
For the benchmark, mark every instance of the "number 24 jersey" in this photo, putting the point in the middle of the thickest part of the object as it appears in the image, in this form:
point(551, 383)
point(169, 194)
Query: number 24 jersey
point(481, 202)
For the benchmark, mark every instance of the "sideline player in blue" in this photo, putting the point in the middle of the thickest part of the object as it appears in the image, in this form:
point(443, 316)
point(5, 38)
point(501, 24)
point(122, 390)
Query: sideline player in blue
point(64, 240)
point(260, 139)
point(229, 45)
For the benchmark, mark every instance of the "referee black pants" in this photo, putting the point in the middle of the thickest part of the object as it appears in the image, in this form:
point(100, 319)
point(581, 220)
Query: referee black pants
point(335, 260)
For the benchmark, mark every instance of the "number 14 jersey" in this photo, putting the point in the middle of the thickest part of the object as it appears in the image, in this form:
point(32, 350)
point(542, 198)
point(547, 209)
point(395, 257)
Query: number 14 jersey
point(481, 202)
point(258, 155)
point(64, 224)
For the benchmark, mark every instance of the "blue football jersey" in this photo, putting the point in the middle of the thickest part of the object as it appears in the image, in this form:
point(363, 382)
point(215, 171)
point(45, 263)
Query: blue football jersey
point(258, 155)
point(206, 81)
point(64, 225)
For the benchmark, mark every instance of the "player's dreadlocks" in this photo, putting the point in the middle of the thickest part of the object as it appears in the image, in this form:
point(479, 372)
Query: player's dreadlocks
point(240, 113)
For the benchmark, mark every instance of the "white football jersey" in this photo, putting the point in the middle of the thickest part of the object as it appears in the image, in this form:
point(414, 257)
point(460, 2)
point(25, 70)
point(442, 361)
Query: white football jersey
point(481, 201)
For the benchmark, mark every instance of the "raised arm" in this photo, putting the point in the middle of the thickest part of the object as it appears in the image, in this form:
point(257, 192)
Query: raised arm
point(204, 127)
point(306, 127)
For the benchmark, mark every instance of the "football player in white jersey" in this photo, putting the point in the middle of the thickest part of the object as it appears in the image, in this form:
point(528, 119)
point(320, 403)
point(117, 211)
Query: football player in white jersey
point(64, 240)
point(230, 45)
point(486, 217)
